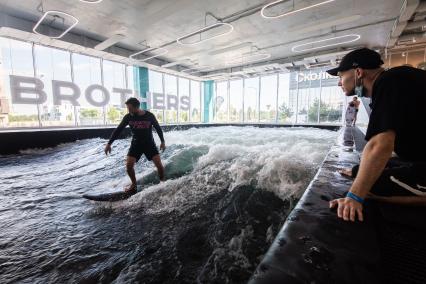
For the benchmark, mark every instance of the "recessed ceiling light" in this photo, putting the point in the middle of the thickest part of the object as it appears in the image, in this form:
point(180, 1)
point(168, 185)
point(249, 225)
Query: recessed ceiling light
point(55, 13)
point(181, 39)
point(323, 43)
point(161, 49)
point(262, 12)
point(245, 59)
point(91, 1)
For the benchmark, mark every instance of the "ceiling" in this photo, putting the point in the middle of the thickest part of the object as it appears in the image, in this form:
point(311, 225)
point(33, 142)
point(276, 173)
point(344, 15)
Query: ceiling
point(156, 23)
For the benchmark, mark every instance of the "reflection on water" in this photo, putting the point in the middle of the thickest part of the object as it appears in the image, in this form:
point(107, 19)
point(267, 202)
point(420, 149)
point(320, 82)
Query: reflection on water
point(228, 192)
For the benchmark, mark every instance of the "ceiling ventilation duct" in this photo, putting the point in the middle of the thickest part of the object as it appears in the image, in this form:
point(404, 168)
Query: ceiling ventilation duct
point(407, 10)
point(148, 53)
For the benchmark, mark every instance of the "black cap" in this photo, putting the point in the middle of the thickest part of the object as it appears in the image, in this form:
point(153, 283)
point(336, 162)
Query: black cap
point(361, 58)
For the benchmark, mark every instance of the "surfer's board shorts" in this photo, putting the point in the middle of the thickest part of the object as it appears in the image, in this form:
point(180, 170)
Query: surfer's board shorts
point(137, 149)
point(399, 179)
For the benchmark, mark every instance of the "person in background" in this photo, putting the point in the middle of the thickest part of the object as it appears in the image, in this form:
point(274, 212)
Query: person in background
point(351, 112)
point(141, 123)
point(396, 124)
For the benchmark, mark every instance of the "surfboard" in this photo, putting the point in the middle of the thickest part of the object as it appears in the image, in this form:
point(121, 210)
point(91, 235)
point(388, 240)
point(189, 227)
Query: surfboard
point(110, 196)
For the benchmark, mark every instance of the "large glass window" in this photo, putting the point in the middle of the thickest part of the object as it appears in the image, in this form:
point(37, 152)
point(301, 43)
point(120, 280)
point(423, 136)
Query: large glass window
point(114, 76)
point(221, 102)
point(195, 101)
point(251, 100)
point(87, 72)
point(16, 59)
point(268, 98)
point(170, 90)
point(157, 94)
point(54, 64)
point(183, 100)
point(236, 101)
point(285, 110)
point(332, 104)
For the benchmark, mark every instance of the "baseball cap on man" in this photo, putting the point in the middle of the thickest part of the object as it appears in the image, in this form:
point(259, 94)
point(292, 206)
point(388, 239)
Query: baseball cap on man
point(360, 58)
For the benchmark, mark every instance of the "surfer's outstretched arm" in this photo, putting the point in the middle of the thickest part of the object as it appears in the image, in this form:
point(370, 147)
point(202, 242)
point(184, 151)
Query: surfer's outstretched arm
point(159, 131)
point(124, 122)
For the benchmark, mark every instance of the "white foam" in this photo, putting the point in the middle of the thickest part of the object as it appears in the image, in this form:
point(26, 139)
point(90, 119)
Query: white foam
point(280, 160)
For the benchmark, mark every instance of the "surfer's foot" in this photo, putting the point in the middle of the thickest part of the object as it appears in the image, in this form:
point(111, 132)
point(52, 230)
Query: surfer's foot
point(346, 172)
point(130, 188)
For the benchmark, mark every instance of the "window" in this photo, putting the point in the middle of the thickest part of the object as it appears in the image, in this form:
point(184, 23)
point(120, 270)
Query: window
point(236, 101)
point(251, 100)
point(285, 111)
point(170, 90)
point(195, 101)
point(114, 76)
point(156, 90)
point(54, 64)
point(16, 59)
point(221, 102)
point(268, 98)
point(87, 72)
point(183, 100)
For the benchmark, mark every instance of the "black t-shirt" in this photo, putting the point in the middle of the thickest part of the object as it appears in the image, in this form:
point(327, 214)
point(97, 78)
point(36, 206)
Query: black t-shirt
point(399, 104)
point(141, 127)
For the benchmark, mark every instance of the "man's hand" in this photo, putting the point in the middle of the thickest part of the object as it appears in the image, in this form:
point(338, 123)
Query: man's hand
point(107, 149)
point(163, 146)
point(347, 209)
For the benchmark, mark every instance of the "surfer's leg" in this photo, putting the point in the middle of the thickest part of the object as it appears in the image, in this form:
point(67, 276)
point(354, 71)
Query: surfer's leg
point(130, 167)
point(157, 162)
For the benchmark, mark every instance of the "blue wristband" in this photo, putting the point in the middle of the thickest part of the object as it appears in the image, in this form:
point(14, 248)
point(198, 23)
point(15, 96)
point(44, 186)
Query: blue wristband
point(355, 197)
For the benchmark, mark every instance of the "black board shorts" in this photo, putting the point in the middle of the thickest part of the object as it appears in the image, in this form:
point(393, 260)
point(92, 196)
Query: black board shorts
point(399, 178)
point(137, 149)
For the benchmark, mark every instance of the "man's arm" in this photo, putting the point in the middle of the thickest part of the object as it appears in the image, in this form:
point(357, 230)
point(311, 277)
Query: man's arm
point(116, 133)
point(158, 128)
point(118, 130)
point(374, 158)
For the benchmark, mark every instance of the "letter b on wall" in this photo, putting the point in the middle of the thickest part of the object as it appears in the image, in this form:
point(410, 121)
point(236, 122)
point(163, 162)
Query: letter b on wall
point(38, 96)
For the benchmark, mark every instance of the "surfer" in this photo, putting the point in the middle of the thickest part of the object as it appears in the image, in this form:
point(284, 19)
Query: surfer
point(140, 122)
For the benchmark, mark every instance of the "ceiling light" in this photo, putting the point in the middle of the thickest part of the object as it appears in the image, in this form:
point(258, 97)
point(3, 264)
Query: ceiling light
point(162, 52)
point(230, 48)
point(56, 13)
point(311, 45)
point(262, 12)
point(180, 40)
point(109, 42)
point(245, 59)
point(91, 1)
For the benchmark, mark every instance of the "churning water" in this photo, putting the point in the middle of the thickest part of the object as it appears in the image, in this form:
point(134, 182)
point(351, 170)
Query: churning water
point(228, 192)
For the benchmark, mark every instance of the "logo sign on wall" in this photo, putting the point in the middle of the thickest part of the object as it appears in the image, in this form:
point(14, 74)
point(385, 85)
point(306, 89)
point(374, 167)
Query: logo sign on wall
point(30, 90)
point(312, 79)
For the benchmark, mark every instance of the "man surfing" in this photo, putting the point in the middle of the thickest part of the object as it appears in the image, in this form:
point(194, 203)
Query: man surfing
point(140, 122)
